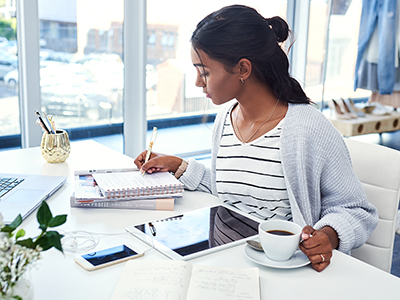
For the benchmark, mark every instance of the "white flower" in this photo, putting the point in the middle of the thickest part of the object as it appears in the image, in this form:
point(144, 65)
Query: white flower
point(2, 234)
point(14, 261)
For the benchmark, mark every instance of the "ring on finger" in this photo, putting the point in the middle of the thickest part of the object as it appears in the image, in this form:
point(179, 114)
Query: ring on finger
point(323, 258)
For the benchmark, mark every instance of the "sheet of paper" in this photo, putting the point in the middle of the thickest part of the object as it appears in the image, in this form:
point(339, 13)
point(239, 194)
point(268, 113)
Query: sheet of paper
point(133, 184)
point(215, 283)
point(149, 280)
point(127, 180)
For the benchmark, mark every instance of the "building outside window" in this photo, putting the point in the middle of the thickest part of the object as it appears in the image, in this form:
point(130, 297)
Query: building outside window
point(82, 69)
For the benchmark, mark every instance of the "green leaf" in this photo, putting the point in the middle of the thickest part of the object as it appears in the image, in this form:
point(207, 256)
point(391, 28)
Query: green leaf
point(28, 243)
point(44, 214)
point(20, 233)
point(50, 239)
point(44, 242)
point(57, 243)
point(7, 228)
point(17, 221)
point(57, 220)
point(14, 224)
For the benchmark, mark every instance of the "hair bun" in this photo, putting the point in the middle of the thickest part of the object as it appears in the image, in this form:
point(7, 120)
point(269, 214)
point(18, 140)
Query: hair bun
point(280, 27)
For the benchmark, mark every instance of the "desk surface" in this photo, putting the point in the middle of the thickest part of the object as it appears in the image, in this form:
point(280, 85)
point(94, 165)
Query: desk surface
point(57, 276)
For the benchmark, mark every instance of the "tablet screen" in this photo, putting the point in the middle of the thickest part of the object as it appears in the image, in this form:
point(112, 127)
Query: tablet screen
point(201, 229)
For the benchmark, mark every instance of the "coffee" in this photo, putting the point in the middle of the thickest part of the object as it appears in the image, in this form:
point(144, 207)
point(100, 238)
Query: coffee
point(279, 239)
point(280, 232)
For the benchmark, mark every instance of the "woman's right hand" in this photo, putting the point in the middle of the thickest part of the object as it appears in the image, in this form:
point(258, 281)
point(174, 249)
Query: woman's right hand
point(157, 162)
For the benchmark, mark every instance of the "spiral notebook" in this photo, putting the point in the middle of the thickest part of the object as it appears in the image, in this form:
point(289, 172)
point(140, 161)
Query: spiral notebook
point(131, 184)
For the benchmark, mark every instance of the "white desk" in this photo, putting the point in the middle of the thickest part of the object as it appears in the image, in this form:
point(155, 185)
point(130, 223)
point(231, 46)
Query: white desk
point(57, 276)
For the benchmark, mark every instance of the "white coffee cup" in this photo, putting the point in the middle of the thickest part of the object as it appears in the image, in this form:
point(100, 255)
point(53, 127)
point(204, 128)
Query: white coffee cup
point(279, 239)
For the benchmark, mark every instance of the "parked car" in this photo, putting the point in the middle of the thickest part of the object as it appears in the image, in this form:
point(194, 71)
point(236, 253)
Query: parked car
point(10, 47)
point(11, 79)
point(70, 90)
point(3, 41)
point(8, 62)
point(98, 58)
point(75, 101)
point(57, 73)
point(56, 56)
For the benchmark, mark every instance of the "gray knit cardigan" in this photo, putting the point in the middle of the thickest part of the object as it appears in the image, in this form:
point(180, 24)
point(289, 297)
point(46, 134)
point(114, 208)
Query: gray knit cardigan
point(322, 186)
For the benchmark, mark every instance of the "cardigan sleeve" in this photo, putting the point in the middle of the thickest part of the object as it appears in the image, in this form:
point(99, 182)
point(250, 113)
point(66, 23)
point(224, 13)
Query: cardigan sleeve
point(320, 178)
point(344, 205)
point(196, 177)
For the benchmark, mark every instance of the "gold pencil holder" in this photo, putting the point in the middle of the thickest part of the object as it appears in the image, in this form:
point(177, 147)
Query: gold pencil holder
point(56, 147)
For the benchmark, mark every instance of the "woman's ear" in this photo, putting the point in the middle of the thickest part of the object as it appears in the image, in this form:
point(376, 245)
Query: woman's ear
point(245, 68)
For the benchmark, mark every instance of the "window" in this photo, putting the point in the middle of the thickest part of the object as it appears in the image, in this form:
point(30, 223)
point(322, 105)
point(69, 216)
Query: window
point(332, 50)
point(82, 72)
point(172, 92)
point(9, 112)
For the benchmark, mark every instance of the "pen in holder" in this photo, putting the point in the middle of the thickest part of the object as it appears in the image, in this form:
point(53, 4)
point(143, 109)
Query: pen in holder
point(55, 148)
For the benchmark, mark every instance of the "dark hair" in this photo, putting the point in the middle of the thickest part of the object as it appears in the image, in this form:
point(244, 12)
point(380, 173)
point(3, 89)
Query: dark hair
point(235, 32)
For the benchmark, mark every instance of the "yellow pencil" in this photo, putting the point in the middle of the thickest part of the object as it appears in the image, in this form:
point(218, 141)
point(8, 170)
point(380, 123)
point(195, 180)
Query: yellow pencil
point(152, 140)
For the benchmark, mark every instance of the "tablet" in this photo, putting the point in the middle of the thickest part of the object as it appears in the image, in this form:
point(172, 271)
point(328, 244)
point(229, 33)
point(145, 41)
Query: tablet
point(197, 232)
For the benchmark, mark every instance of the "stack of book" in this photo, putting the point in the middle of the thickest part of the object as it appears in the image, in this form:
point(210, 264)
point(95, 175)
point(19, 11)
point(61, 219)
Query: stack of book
point(125, 188)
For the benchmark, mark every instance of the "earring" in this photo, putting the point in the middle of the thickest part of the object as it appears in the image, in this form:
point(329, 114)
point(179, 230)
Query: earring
point(241, 79)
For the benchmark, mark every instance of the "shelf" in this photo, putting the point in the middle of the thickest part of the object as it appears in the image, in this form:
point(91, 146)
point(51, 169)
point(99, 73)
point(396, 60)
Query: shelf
point(368, 124)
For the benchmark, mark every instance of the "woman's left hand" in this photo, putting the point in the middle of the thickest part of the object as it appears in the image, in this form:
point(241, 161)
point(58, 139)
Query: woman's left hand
point(318, 246)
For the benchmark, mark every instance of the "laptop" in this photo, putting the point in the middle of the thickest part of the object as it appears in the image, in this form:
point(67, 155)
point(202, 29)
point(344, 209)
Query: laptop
point(22, 194)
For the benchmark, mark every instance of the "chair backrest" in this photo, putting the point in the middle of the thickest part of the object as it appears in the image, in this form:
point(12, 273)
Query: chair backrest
point(378, 169)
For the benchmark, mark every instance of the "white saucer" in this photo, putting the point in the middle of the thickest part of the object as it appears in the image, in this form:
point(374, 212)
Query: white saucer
point(298, 259)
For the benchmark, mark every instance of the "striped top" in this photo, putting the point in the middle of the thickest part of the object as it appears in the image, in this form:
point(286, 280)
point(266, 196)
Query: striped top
point(250, 176)
point(322, 186)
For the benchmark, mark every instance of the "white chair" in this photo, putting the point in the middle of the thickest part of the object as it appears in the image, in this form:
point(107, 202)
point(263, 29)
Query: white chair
point(378, 169)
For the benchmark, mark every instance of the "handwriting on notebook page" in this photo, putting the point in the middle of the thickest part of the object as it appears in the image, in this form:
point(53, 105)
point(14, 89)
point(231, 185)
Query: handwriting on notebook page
point(212, 282)
point(179, 280)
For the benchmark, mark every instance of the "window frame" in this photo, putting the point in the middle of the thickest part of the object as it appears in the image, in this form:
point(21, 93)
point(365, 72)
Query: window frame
point(135, 123)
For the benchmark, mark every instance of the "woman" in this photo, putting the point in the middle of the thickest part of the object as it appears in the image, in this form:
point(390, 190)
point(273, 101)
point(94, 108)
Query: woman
point(274, 155)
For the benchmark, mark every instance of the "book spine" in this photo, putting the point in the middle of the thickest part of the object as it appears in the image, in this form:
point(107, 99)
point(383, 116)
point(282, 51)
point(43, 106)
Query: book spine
point(148, 204)
point(161, 197)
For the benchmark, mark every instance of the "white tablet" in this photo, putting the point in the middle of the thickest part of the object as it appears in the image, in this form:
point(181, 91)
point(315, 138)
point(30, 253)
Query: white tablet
point(197, 232)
